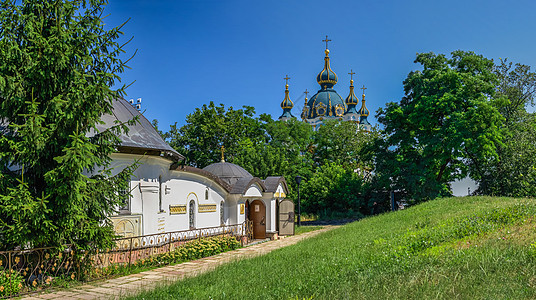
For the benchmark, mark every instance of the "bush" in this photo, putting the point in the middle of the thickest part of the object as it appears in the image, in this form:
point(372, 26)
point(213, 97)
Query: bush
point(191, 250)
point(10, 283)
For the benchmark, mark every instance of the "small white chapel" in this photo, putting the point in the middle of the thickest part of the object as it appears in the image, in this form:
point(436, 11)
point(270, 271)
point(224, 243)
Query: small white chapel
point(165, 196)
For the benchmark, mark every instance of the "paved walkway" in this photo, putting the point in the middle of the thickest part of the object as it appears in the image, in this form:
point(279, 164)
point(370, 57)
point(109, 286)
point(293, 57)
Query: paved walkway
point(132, 284)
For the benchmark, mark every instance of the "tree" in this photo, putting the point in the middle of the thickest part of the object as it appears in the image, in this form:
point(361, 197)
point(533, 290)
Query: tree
point(283, 151)
point(446, 123)
point(334, 191)
point(512, 172)
point(343, 143)
point(518, 85)
point(210, 127)
point(57, 66)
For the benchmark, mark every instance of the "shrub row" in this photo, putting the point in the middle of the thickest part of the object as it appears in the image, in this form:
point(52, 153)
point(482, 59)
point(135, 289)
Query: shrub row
point(12, 282)
point(191, 250)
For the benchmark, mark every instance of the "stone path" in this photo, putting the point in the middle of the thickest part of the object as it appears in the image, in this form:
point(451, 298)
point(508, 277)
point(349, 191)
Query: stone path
point(132, 284)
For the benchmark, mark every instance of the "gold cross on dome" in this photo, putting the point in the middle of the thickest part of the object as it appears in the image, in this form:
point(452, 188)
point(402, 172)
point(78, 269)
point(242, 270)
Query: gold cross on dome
point(286, 79)
point(222, 150)
point(351, 74)
point(363, 88)
point(306, 93)
point(326, 40)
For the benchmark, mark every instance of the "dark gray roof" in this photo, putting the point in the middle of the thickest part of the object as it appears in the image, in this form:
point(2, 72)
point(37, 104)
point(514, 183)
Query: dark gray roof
point(273, 182)
point(204, 173)
point(141, 136)
point(243, 184)
point(228, 172)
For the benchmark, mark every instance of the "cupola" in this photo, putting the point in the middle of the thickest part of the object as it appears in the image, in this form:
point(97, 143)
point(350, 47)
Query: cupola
point(352, 98)
point(287, 104)
point(326, 78)
point(363, 111)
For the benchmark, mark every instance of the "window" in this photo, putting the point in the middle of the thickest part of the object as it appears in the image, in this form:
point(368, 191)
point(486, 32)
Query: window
point(191, 214)
point(222, 220)
point(206, 194)
point(124, 195)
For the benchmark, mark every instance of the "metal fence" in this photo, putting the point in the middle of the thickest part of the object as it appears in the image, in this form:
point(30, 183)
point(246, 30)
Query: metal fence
point(39, 266)
point(128, 250)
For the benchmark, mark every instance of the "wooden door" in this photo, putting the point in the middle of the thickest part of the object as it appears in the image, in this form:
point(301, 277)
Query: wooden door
point(286, 217)
point(257, 214)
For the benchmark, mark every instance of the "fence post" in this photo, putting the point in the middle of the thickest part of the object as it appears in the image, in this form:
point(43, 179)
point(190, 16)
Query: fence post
point(130, 254)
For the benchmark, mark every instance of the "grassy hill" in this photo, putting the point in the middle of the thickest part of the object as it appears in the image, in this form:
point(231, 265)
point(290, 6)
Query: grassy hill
point(470, 247)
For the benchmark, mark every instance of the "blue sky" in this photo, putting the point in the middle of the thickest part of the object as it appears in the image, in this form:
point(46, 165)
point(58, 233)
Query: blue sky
point(238, 52)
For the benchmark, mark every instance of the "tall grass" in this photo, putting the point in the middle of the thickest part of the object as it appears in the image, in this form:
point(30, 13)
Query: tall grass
point(471, 248)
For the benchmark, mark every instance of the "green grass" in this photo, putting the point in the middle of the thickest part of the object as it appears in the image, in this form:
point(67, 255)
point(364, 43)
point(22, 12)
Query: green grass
point(304, 229)
point(469, 248)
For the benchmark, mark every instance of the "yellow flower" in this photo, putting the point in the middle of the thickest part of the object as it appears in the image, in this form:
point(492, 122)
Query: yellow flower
point(17, 259)
point(1, 289)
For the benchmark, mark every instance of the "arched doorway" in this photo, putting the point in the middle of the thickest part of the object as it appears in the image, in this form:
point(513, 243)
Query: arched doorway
point(191, 214)
point(257, 214)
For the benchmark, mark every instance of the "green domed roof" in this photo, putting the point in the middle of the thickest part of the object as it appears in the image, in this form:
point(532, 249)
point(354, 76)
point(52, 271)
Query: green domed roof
point(364, 112)
point(286, 105)
point(326, 103)
point(326, 78)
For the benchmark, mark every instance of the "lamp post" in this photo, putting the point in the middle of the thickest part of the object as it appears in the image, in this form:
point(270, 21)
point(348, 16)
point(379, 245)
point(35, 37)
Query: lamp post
point(298, 181)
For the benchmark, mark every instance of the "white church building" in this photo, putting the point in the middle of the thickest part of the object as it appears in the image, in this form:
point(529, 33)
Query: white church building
point(165, 196)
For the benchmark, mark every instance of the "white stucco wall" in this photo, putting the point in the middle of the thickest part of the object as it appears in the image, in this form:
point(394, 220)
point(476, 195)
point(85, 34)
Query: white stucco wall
point(153, 180)
point(154, 188)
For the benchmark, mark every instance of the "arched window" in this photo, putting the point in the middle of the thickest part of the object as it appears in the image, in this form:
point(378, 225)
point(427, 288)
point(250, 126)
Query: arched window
point(191, 214)
point(222, 220)
point(206, 194)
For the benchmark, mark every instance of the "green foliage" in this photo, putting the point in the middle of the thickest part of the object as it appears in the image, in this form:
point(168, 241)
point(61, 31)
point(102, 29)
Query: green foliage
point(418, 240)
point(357, 261)
point(10, 283)
point(334, 189)
point(190, 250)
point(446, 118)
point(513, 171)
point(265, 147)
point(57, 64)
point(304, 229)
point(209, 128)
point(342, 143)
point(518, 85)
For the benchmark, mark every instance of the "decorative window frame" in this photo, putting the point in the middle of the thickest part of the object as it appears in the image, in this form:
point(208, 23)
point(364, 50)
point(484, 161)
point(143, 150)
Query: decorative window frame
point(337, 108)
point(126, 197)
point(319, 107)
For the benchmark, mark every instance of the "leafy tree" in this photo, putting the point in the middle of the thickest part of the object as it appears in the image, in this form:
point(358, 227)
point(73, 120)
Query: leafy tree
point(447, 118)
point(282, 151)
point(334, 191)
point(210, 127)
point(518, 85)
point(57, 64)
point(512, 172)
point(343, 143)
